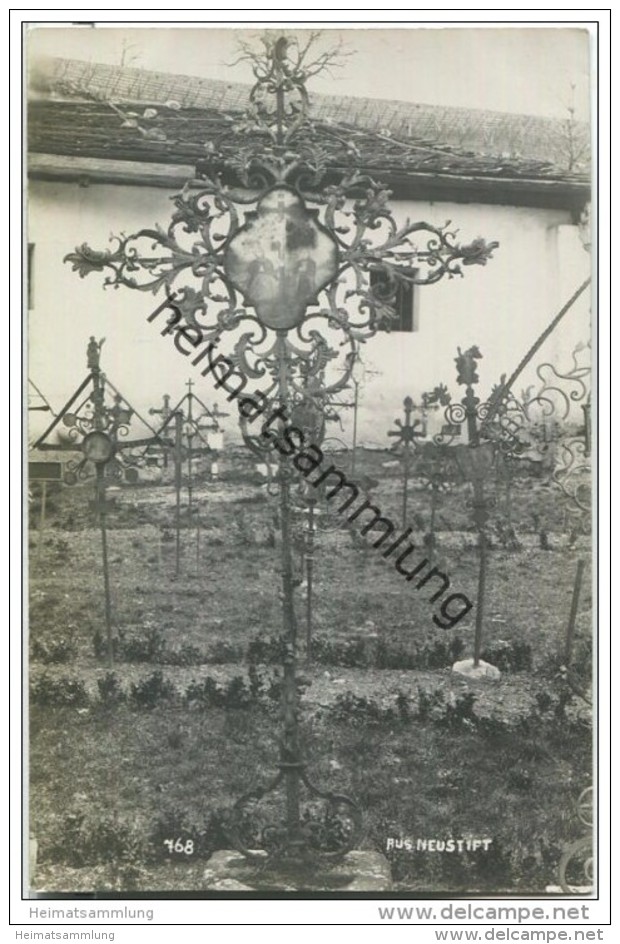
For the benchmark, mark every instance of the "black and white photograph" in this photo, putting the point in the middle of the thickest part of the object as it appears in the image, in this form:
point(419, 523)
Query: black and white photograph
point(311, 422)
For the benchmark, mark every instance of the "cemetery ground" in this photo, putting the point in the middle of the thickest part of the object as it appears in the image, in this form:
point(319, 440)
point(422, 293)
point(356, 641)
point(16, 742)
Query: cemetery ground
point(133, 768)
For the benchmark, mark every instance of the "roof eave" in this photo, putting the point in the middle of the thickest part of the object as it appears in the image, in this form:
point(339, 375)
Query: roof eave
point(543, 193)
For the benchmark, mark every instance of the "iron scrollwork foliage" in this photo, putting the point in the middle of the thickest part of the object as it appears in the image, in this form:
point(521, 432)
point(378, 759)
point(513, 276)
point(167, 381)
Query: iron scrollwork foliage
point(518, 423)
point(367, 235)
point(538, 426)
point(541, 421)
point(331, 825)
point(350, 309)
point(576, 869)
point(283, 147)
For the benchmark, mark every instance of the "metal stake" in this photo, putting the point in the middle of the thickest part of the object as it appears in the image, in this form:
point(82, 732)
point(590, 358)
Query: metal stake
point(572, 619)
point(190, 436)
point(41, 519)
point(405, 484)
point(101, 509)
point(309, 575)
point(290, 761)
point(434, 490)
point(165, 413)
point(482, 573)
point(355, 408)
point(197, 546)
point(406, 436)
point(289, 755)
point(178, 435)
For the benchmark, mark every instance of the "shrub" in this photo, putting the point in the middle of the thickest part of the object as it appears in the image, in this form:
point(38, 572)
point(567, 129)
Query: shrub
point(491, 727)
point(265, 686)
point(427, 703)
point(59, 692)
point(267, 649)
point(430, 706)
point(509, 656)
point(205, 694)
point(54, 650)
point(351, 653)
point(221, 652)
point(356, 709)
point(185, 655)
point(544, 701)
point(147, 646)
point(580, 668)
point(442, 654)
point(395, 657)
point(100, 645)
point(208, 694)
point(148, 692)
point(110, 691)
point(93, 837)
point(256, 682)
point(403, 707)
point(360, 653)
point(460, 713)
point(237, 694)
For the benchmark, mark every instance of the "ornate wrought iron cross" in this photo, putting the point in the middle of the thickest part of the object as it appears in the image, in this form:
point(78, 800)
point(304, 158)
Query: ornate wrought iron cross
point(475, 455)
point(359, 373)
point(406, 436)
point(165, 412)
point(277, 238)
point(97, 429)
point(505, 428)
point(188, 425)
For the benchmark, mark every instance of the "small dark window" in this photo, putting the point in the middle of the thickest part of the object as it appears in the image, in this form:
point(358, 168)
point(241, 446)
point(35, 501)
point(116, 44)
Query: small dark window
point(403, 302)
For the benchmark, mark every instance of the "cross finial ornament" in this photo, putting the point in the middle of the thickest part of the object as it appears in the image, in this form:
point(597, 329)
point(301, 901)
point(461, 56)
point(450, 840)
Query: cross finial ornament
point(165, 410)
point(93, 352)
point(409, 431)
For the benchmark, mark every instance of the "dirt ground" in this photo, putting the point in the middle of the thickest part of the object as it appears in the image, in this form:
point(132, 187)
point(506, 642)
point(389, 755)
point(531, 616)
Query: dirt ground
point(426, 751)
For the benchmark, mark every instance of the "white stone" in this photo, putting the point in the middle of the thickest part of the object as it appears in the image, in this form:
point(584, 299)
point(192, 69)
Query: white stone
point(467, 668)
point(227, 870)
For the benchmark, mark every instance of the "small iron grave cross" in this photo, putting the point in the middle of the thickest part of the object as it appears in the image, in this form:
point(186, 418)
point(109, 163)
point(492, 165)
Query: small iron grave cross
point(165, 412)
point(408, 432)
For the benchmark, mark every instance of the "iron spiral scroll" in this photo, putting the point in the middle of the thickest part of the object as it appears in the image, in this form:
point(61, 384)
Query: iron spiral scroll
point(576, 866)
point(298, 842)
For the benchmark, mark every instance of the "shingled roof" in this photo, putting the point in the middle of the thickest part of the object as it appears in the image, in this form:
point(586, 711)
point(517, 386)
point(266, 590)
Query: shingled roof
point(75, 108)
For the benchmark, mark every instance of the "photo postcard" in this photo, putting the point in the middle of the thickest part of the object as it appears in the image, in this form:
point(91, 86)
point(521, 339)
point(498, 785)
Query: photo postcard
point(311, 424)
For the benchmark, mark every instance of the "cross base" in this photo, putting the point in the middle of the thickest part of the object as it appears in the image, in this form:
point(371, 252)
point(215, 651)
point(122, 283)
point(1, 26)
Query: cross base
point(357, 871)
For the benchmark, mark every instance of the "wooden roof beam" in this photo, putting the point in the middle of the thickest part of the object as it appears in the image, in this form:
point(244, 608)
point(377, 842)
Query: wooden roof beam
point(551, 193)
